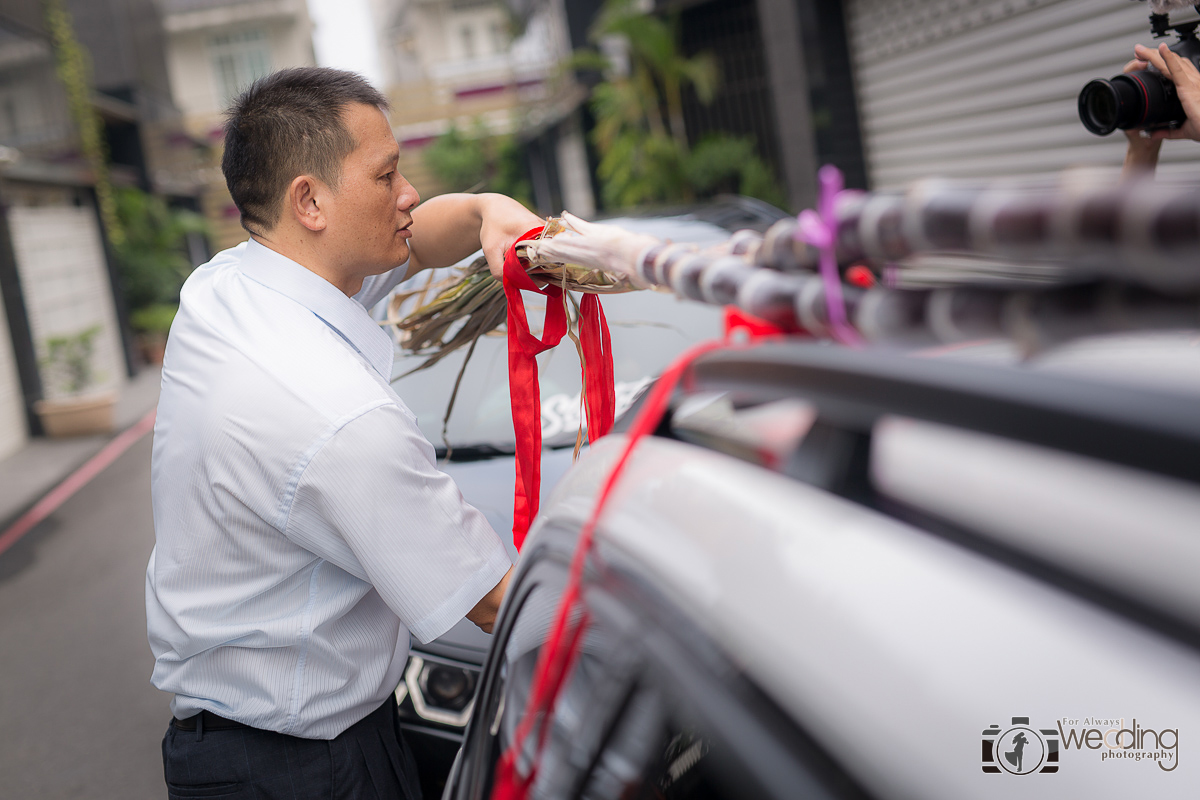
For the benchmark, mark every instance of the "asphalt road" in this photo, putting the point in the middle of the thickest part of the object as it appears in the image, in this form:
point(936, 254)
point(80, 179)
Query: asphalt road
point(79, 716)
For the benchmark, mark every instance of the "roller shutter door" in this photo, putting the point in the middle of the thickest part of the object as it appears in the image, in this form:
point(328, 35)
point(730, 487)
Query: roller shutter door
point(988, 88)
point(65, 284)
point(12, 406)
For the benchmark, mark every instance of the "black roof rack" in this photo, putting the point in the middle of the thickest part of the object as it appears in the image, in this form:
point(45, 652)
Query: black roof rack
point(1147, 429)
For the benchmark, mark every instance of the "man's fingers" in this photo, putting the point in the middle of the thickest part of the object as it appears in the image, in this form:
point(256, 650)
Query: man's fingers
point(1182, 65)
point(1176, 133)
point(496, 262)
point(496, 258)
point(1137, 65)
point(1143, 53)
point(1168, 59)
point(1178, 67)
point(1154, 57)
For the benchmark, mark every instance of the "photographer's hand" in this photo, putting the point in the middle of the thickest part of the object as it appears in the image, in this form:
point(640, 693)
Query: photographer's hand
point(1186, 78)
point(1141, 156)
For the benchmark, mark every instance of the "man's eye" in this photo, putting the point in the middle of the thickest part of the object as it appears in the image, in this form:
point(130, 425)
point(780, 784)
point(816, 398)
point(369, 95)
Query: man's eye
point(387, 176)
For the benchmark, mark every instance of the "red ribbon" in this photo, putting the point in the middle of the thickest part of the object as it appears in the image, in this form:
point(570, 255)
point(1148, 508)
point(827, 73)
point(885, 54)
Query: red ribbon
point(523, 386)
point(561, 649)
point(599, 382)
point(559, 653)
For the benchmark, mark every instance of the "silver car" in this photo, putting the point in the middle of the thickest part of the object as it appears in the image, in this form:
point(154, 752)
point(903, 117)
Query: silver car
point(843, 574)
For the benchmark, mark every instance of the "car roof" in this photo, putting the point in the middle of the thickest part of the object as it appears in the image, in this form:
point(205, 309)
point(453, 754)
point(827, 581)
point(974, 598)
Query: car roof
point(728, 212)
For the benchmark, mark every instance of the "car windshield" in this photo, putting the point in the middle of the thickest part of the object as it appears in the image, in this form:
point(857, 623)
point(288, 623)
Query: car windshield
point(648, 330)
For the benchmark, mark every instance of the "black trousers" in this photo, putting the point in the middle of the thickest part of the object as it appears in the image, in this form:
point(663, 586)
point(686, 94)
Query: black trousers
point(368, 761)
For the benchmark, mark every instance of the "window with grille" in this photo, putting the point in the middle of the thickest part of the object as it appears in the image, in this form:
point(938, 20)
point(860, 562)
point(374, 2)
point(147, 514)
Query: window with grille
point(468, 41)
point(238, 58)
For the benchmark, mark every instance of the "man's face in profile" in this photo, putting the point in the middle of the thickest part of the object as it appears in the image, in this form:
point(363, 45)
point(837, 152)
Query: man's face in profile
point(370, 217)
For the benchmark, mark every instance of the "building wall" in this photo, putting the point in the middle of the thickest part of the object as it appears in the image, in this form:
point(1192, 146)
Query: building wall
point(196, 31)
point(34, 117)
point(55, 276)
point(455, 63)
point(125, 41)
point(989, 89)
point(194, 79)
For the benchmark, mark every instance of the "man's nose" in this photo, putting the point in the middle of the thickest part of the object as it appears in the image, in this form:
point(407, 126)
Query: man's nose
point(408, 198)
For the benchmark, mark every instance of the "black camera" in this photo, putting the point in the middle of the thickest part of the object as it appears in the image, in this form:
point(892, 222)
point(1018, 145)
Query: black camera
point(1145, 99)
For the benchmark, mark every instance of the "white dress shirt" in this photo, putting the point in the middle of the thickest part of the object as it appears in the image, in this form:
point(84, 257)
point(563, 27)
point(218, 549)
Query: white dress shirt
point(303, 529)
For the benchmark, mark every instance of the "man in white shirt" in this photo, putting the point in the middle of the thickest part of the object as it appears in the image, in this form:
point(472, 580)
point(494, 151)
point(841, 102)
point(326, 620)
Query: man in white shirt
point(303, 530)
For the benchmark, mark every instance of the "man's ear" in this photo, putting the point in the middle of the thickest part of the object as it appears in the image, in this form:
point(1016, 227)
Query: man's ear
point(306, 198)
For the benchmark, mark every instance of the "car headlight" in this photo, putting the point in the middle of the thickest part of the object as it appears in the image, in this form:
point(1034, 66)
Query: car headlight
point(440, 691)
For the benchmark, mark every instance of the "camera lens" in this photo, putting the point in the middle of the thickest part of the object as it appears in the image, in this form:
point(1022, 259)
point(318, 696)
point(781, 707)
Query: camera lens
point(1142, 99)
point(1105, 106)
point(1098, 106)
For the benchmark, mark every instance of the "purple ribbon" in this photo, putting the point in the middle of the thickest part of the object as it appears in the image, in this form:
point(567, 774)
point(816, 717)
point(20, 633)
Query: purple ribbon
point(819, 229)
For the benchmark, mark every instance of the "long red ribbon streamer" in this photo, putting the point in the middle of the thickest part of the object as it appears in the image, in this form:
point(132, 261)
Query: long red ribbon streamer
point(559, 653)
point(523, 386)
point(600, 385)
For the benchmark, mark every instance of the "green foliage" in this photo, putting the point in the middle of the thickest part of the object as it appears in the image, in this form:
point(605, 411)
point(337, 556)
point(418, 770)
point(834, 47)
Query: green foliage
point(457, 160)
point(716, 162)
point(479, 162)
point(757, 180)
point(641, 168)
point(153, 258)
point(727, 164)
point(153, 319)
point(73, 68)
point(640, 132)
point(68, 360)
point(509, 175)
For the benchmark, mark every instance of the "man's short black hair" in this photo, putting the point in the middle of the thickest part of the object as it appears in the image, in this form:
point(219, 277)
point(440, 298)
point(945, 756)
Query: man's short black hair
point(287, 124)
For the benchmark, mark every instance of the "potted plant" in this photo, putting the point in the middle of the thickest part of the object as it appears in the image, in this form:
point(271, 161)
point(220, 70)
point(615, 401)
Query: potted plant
point(72, 410)
point(152, 323)
point(154, 262)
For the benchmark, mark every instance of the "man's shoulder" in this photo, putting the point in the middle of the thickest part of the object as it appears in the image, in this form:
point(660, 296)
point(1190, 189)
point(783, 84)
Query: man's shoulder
point(226, 259)
point(268, 350)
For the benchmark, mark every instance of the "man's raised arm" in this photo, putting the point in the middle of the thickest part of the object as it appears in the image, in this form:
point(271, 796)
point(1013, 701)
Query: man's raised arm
point(449, 227)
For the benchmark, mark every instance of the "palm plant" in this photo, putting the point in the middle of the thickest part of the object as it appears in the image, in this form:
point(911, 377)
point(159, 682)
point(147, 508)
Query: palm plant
point(153, 256)
point(640, 130)
point(479, 161)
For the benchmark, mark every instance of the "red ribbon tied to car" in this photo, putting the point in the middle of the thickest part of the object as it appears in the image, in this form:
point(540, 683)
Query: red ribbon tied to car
point(524, 391)
point(564, 638)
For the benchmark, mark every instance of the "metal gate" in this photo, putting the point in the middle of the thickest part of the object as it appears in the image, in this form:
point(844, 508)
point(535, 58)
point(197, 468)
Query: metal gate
point(12, 402)
point(988, 88)
point(64, 280)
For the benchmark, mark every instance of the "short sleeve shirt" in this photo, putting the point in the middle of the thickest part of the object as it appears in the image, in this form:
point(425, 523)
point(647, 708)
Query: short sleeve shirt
point(303, 530)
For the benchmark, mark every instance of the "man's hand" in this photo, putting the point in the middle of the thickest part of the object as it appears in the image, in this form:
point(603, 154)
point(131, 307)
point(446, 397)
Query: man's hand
point(1186, 78)
point(448, 228)
point(485, 611)
point(1141, 157)
point(504, 221)
point(1144, 146)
